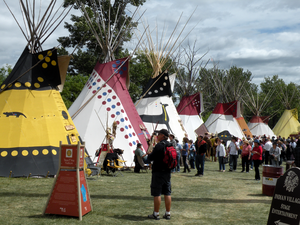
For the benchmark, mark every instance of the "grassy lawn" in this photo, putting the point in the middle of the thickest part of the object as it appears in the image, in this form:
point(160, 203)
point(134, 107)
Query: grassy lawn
point(215, 198)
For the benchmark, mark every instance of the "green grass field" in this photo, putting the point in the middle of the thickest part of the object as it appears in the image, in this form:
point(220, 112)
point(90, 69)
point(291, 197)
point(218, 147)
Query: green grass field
point(215, 198)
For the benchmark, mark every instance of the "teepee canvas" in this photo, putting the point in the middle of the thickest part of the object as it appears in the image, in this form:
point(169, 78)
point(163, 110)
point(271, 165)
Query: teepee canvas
point(223, 118)
point(287, 124)
point(189, 110)
point(259, 126)
point(157, 107)
point(33, 115)
point(105, 98)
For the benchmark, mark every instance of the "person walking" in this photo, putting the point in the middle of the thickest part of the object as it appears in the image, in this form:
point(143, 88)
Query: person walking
point(192, 154)
point(257, 157)
point(184, 154)
point(161, 176)
point(246, 155)
point(201, 148)
point(267, 147)
point(233, 152)
point(220, 153)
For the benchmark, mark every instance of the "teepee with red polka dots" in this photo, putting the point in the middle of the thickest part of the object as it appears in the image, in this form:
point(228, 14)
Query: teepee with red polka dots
point(105, 99)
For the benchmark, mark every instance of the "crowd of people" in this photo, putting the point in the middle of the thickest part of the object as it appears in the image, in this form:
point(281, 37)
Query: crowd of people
point(253, 152)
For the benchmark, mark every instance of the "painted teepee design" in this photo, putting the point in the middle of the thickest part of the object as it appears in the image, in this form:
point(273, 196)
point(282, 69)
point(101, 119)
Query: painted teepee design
point(189, 110)
point(105, 98)
point(32, 113)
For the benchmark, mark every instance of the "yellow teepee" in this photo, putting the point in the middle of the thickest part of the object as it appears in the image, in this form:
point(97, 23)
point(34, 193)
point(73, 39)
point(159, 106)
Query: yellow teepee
point(287, 124)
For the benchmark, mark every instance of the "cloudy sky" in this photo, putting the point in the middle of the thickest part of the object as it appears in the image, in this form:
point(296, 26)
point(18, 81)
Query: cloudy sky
point(260, 36)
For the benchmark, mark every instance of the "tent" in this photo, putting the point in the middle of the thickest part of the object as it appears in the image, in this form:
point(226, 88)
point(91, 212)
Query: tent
point(287, 124)
point(243, 125)
point(157, 107)
point(105, 98)
point(259, 126)
point(223, 118)
point(33, 115)
point(189, 110)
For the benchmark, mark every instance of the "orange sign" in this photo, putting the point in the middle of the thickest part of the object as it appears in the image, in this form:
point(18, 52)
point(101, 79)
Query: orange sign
point(69, 195)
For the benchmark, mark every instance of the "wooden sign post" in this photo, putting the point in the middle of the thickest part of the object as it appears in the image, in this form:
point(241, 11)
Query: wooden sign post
point(69, 195)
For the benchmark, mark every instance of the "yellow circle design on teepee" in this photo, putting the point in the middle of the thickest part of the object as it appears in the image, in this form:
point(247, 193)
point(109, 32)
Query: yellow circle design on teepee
point(47, 59)
point(45, 151)
point(28, 84)
point(18, 84)
point(53, 62)
point(37, 85)
point(49, 53)
point(40, 56)
point(35, 152)
point(54, 152)
point(40, 79)
point(3, 86)
point(14, 153)
point(25, 153)
point(4, 153)
point(44, 65)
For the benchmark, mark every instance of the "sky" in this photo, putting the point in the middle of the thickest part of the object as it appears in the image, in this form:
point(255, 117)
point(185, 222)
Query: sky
point(260, 36)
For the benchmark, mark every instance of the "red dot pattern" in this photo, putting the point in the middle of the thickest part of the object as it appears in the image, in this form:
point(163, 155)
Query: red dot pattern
point(112, 106)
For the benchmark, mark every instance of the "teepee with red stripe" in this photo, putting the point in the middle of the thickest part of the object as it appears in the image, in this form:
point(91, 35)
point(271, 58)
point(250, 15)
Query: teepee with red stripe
point(189, 110)
point(105, 99)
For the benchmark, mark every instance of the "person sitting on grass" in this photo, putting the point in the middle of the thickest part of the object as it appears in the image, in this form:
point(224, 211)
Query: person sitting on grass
point(161, 176)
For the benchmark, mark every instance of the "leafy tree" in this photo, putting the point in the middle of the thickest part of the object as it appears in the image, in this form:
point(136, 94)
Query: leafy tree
point(4, 72)
point(72, 88)
point(286, 97)
point(81, 36)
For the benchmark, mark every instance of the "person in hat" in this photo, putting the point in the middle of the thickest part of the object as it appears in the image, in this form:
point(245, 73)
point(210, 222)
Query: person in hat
point(257, 157)
point(161, 176)
point(139, 154)
point(275, 154)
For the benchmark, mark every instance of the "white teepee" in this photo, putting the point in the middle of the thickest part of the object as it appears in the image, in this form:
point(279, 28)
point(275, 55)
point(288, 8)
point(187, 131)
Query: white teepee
point(105, 98)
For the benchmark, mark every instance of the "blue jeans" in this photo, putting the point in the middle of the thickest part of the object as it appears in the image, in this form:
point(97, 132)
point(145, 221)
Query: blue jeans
point(221, 164)
point(200, 163)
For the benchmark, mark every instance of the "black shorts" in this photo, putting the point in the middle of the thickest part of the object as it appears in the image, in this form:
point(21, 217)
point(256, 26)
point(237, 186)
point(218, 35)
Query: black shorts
point(160, 183)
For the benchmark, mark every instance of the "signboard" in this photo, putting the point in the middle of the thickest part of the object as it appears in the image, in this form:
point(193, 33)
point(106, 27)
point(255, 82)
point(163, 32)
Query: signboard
point(69, 195)
point(286, 200)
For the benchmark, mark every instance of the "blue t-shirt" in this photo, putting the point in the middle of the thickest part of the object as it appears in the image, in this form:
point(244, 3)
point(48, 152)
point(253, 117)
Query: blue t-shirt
point(185, 148)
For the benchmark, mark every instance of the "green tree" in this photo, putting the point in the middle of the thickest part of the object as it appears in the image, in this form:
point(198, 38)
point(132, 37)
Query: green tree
point(4, 72)
point(72, 88)
point(81, 36)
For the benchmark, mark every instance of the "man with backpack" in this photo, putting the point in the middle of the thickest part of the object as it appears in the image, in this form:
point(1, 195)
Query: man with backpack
point(161, 175)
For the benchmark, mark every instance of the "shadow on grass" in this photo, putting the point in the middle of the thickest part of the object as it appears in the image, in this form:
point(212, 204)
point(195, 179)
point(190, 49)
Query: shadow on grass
point(50, 216)
point(131, 217)
point(14, 194)
point(177, 199)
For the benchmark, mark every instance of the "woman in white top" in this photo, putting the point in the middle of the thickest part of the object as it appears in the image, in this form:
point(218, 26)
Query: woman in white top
point(220, 153)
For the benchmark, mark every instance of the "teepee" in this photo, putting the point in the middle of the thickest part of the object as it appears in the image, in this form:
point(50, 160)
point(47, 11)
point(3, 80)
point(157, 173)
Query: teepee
point(288, 123)
point(189, 110)
point(258, 124)
point(227, 114)
point(155, 106)
point(34, 117)
point(105, 98)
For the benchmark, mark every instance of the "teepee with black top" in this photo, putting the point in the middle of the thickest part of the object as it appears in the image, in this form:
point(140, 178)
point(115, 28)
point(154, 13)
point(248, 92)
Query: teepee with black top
point(33, 115)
